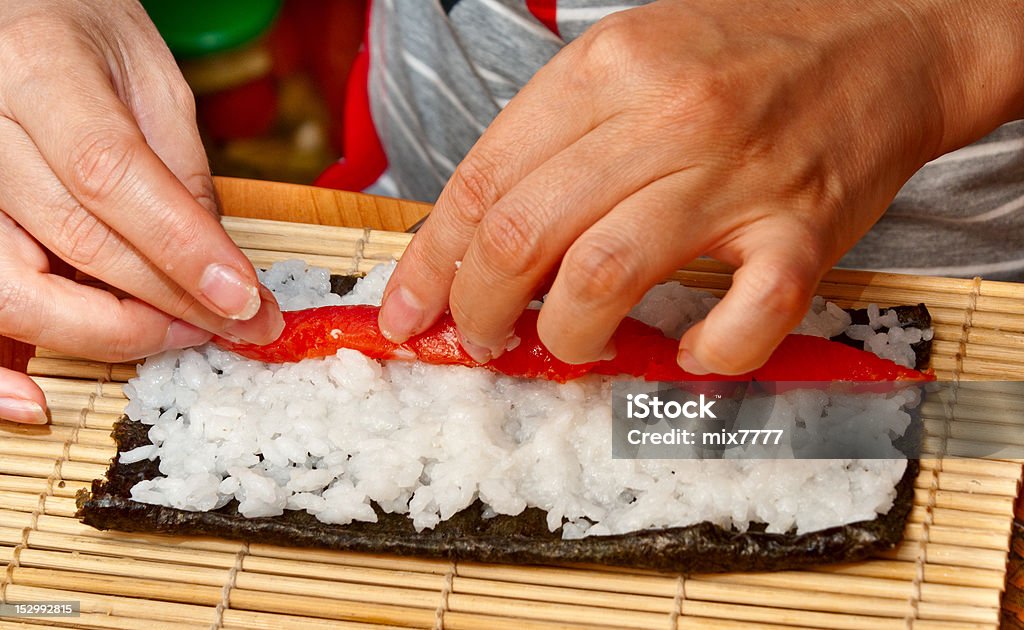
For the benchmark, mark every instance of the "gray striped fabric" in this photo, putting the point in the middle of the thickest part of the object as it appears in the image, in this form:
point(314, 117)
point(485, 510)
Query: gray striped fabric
point(437, 79)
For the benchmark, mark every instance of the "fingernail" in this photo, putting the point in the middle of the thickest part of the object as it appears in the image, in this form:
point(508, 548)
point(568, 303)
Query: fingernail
point(401, 316)
point(513, 342)
point(19, 410)
point(181, 334)
point(691, 364)
point(479, 354)
point(263, 328)
point(229, 292)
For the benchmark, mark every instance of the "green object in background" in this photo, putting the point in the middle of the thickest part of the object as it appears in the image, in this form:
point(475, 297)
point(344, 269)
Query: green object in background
point(195, 28)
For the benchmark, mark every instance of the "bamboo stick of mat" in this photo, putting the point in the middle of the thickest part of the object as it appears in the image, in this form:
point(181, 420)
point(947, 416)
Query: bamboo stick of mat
point(947, 573)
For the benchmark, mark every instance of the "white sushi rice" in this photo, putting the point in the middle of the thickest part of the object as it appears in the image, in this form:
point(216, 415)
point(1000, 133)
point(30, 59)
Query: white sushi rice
point(338, 435)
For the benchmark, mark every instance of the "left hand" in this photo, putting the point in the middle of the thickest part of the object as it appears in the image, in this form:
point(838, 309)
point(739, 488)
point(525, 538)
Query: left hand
point(768, 135)
point(101, 163)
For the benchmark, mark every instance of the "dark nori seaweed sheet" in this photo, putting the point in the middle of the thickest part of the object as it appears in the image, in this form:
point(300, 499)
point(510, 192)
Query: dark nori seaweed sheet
point(522, 539)
point(343, 284)
point(916, 316)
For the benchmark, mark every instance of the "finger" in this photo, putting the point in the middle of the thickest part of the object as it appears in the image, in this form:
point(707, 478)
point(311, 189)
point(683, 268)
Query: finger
point(771, 291)
point(524, 135)
point(530, 228)
point(21, 400)
point(60, 314)
point(93, 145)
point(55, 312)
point(163, 105)
point(613, 263)
point(64, 226)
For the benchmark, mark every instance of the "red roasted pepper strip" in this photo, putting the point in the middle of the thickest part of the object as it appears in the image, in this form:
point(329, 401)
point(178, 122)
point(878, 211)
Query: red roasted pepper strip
point(643, 351)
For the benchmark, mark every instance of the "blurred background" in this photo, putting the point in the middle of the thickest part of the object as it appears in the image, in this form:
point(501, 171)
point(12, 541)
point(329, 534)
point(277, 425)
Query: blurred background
point(270, 79)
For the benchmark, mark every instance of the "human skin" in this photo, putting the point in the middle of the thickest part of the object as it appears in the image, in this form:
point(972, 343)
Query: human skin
point(102, 165)
point(768, 134)
point(633, 151)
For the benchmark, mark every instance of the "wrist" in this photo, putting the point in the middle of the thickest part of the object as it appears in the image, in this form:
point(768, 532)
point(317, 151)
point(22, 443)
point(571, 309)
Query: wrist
point(979, 64)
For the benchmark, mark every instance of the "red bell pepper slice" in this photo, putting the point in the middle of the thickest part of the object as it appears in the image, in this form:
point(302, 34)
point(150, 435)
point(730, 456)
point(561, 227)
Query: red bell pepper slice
point(643, 351)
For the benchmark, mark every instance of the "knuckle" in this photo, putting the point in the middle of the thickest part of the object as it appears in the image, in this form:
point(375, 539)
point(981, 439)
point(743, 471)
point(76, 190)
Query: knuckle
point(612, 40)
point(20, 34)
point(471, 191)
point(183, 99)
point(706, 85)
point(510, 242)
point(424, 265)
point(23, 37)
point(600, 270)
point(100, 163)
point(782, 289)
point(676, 88)
point(201, 187)
point(83, 238)
point(182, 236)
point(704, 98)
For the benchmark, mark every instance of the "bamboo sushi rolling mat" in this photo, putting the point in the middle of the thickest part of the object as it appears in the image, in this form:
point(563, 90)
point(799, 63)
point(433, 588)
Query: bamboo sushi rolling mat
point(949, 572)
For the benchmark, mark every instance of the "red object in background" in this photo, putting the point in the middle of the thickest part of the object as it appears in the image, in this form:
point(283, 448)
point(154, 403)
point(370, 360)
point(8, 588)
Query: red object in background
point(363, 159)
point(245, 111)
point(545, 11)
point(323, 38)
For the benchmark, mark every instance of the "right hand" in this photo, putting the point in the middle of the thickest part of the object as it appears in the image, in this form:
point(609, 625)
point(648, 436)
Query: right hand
point(101, 163)
point(769, 135)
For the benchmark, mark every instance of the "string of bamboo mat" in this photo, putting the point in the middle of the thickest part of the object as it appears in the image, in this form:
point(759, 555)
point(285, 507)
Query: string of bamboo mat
point(949, 571)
